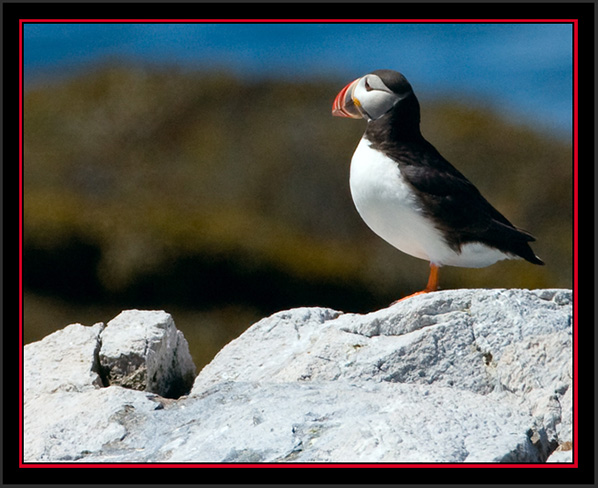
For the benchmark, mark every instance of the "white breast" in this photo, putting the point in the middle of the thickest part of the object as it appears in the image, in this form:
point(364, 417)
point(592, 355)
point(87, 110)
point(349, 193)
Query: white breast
point(388, 206)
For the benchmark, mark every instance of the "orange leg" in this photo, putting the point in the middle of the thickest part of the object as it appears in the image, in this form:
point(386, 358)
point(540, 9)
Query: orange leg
point(432, 279)
point(431, 286)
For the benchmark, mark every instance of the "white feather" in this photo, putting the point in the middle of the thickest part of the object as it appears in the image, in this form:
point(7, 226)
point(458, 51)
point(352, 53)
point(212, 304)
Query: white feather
point(388, 206)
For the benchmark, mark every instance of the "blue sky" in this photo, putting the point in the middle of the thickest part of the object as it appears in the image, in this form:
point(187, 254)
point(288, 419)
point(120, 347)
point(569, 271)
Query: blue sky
point(524, 70)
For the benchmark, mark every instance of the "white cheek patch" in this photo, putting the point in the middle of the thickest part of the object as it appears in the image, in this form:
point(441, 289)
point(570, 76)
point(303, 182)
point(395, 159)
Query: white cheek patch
point(374, 103)
point(380, 102)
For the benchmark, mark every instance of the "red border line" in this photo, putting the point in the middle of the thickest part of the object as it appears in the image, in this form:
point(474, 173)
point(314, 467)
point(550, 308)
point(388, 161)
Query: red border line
point(295, 465)
point(574, 22)
point(301, 21)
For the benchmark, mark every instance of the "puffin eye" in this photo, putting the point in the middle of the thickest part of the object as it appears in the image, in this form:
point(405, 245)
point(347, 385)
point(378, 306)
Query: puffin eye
point(367, 86)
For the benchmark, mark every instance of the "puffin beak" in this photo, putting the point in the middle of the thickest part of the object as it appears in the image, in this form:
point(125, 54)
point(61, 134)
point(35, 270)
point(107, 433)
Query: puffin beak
point(344, 105)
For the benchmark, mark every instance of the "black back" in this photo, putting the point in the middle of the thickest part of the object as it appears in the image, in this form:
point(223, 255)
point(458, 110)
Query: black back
point(448, 198)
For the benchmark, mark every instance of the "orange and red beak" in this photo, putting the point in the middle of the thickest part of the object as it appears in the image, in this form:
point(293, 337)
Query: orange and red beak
point(345, 105)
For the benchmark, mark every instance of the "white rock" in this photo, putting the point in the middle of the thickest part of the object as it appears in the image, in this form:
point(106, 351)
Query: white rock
point(512, 341)
point(385, 422)
point(144, 350)
point(68, 426)
point(453, 376)
point(65, 360)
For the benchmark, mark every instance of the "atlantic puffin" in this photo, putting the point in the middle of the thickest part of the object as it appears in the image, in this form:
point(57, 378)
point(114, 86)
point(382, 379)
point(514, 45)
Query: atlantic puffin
point(410, 195)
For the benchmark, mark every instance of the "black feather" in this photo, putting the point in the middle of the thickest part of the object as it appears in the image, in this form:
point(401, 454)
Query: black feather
point(446, 196)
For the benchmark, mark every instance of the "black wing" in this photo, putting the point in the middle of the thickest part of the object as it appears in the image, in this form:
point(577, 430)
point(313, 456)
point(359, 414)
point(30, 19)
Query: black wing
point(457, 207)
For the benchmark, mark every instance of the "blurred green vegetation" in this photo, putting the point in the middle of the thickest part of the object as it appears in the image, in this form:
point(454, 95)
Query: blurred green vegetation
point(221, 201)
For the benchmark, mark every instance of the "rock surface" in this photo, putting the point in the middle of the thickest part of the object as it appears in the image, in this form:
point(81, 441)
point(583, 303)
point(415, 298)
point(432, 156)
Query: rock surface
point(452, 376)
point(66, 360)
point(145, 351)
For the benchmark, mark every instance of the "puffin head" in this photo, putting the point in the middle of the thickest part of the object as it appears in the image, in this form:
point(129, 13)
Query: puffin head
point(372, 95)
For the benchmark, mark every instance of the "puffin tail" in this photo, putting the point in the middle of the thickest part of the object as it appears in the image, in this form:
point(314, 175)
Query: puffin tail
point(532, 258)
point(525, 250)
